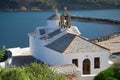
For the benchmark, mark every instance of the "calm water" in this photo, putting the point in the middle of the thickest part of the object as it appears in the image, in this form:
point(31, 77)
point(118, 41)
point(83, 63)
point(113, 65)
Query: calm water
point(15, 26)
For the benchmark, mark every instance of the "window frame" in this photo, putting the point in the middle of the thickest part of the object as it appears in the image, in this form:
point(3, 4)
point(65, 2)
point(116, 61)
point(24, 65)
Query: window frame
point(75, 61)
point(97, 62)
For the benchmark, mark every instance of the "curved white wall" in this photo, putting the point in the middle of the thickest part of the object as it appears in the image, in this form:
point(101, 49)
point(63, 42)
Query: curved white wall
point(52, 25)
point(36, 47)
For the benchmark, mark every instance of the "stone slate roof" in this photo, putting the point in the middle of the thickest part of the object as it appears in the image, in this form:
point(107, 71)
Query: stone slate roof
point(62, 43)
point(54, 33)
point(55, 16)
point(73, 44)
point(81, 45)
point(66, 69)
point(50, 35)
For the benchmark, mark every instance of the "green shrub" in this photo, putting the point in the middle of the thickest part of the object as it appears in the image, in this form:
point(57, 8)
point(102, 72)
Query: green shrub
point(104, 75)
point(42, 72)
point(116, 68)
point(14, 73)
point(33, 71)
point(112, 73)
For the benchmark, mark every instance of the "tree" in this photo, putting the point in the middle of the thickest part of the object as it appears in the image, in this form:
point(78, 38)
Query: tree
point(33, 71)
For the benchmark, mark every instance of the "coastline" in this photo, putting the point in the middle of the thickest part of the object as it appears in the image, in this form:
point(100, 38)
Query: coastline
point(112, 42)
point(104, 38)
point(37, 10)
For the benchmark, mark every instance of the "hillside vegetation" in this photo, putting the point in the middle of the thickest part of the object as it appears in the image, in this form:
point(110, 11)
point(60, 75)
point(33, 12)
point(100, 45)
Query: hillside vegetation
point(14, 5)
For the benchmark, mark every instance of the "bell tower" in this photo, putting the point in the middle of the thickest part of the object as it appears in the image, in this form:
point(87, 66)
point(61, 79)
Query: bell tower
point(65, 19)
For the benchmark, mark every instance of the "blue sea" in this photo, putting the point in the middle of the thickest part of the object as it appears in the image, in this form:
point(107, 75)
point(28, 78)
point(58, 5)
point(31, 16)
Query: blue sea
point(15, 26)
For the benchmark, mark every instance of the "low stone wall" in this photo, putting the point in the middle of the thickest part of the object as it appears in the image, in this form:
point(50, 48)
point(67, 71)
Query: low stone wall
point(104, 38)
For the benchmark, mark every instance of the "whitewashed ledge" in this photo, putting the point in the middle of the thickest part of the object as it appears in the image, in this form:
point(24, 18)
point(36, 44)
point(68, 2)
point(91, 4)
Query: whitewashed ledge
point(19, 51)
point(15, 52)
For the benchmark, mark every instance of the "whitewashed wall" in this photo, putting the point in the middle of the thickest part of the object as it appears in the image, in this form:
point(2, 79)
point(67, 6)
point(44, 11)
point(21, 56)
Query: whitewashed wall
point(36, 47)
point(45, 54)
point(104, 58)
point(82, 56)
point(52, 25)
point(53, 58)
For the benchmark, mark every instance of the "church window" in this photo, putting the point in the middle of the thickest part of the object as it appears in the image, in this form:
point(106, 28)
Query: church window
point(96, 62)
point(42, 31)
point(75, 61)
point(59, 24)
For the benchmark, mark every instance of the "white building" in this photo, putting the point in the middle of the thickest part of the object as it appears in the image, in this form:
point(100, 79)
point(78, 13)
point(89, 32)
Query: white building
point(59, 43)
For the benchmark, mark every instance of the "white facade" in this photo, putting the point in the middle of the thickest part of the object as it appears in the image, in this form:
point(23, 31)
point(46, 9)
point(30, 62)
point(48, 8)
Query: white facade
point(62, 46)
point(81, 57)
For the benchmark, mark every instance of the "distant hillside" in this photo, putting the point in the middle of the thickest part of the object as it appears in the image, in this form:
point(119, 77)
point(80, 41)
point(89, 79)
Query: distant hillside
point(23, 5)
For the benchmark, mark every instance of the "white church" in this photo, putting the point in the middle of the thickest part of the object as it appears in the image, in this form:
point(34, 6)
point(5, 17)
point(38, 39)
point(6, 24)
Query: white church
point(60, 43)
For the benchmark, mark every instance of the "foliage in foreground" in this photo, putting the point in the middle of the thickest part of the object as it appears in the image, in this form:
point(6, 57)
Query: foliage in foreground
point(33, 71)
point(112, 73)
point(2, 52)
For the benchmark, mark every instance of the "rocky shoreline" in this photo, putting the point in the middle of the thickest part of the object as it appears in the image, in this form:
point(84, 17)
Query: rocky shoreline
point(94, 19)
point(104, 38)
point(112, 42)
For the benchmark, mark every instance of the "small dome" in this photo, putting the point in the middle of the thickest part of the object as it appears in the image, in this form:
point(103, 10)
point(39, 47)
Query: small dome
point(55, 16)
